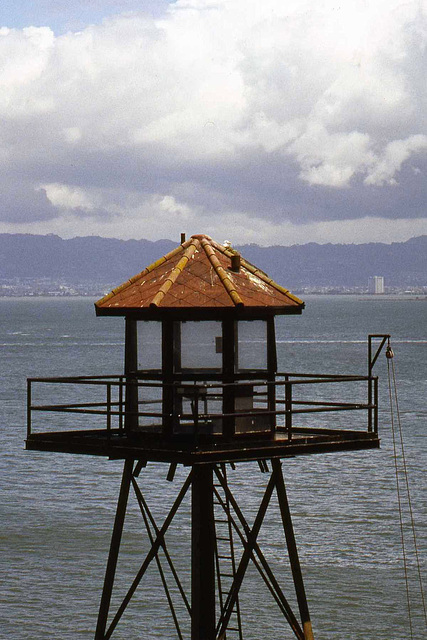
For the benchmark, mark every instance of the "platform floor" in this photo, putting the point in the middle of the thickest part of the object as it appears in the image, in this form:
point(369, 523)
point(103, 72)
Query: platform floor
point(118, 445)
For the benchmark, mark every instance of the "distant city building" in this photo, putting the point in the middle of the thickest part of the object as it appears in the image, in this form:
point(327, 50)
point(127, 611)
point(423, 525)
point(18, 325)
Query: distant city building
point(376, 284)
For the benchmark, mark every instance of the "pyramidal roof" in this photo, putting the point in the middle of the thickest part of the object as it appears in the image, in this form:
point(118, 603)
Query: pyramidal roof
point(199, 274)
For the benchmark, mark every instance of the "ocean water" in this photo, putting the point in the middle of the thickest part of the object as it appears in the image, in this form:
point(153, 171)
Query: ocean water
point(57, 510)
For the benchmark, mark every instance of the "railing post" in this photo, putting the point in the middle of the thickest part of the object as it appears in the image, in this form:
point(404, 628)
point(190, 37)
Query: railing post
point(196, 413)
point(108, 407)
point(288, 407)
point(370, 403)
point(376, 404)
point(373, 410)
point(121, 403)
point(271, 404)
point(28, 408)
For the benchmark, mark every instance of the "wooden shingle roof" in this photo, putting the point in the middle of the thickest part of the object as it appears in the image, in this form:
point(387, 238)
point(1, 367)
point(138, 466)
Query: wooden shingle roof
point(199, 275)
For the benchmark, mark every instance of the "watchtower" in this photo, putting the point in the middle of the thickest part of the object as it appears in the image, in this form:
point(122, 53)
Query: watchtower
point(201, 388)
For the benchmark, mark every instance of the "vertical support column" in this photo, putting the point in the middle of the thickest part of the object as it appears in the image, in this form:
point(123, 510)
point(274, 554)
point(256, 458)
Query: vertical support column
point(202, 555)
point(131, 365)
point(167, 375)
point(272, 370)
point(288, 408)
point(228, 374)
point(292, 550)
point(114, 551)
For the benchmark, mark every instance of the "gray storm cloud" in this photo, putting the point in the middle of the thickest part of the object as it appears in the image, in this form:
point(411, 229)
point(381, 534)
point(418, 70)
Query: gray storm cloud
point(272, 111)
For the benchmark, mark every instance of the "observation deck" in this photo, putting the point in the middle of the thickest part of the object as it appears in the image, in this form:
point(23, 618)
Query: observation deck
point(300, 422)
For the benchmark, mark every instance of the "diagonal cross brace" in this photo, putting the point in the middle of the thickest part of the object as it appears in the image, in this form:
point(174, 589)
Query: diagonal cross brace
point(147, 517)
point(253, 546)
point(158, 541)
point(268, 577)
point(243, 565)
point(146, 512)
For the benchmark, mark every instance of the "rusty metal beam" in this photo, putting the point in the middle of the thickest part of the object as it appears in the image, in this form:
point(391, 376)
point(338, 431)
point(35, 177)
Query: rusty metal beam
point(292, 549)
point(114, 551)
point(243, 565)
point(202, 554)
point(269, 578)
point(142, 507)
point(150, 556)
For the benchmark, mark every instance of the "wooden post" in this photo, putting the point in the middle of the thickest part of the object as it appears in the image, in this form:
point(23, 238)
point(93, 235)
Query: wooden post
point(202, 555)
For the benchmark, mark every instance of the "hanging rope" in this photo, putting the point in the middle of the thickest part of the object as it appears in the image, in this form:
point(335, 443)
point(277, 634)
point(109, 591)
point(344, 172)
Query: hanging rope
point(394, 404)
point(389, 356)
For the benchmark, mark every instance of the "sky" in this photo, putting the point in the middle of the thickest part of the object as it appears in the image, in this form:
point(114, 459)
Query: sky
point(269, 122)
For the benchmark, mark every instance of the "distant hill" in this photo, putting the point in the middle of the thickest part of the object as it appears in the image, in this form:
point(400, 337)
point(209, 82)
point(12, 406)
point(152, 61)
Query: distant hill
point(344, 265)
point(110, 260)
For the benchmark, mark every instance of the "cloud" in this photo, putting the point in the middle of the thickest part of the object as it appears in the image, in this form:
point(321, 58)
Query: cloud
point(395, 154)
point(66, 197)
point(273, 113)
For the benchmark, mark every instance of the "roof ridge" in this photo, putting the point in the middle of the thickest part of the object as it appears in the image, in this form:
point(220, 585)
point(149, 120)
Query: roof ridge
point(174, 274)
point(142, 273)
point(221, 273)
point(218, 246)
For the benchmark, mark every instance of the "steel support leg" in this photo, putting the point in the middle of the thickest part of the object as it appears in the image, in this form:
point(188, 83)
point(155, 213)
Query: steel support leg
point(202, 555)
point(292, 550)
point(114, 551)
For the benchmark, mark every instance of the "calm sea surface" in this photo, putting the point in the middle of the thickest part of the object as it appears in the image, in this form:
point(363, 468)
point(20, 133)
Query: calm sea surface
point(56, 511)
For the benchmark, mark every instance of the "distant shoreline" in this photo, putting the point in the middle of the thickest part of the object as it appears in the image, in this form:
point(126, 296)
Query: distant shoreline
point(363, 297)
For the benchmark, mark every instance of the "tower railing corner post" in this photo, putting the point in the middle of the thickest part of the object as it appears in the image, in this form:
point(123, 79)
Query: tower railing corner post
point(29, 402)
point(288, 407)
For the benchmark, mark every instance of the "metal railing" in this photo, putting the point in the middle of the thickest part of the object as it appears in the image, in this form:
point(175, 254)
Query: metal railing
point(199, 407)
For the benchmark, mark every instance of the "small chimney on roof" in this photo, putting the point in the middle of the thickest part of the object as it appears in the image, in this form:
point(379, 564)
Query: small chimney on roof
point(235, 262)
point(182, 238)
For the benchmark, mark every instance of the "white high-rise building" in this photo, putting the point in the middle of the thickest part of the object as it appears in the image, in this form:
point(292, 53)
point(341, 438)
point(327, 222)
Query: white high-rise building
point(376, 284)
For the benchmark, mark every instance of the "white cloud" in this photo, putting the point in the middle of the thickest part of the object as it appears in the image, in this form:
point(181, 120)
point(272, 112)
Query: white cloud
point(178, 109)
point(65, 197)
point(331, 159)
point(395, 154)
point(24, 57)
